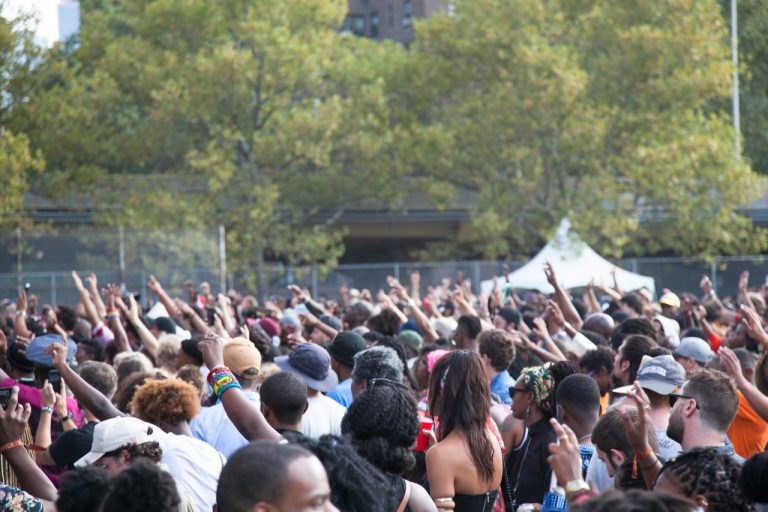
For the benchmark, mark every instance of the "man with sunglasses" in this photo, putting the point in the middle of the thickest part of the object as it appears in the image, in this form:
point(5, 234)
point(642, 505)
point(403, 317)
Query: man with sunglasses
point(702, 412)
point(661, 377)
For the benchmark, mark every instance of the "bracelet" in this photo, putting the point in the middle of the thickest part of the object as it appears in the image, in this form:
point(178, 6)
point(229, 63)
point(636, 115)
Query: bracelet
point(66, 418)
point(112, 314)
point(655, 461)
point(13, 444)
point(47, 408)
point(647, 452)
point(21, 312)
point(220, 391)
point(213, 372)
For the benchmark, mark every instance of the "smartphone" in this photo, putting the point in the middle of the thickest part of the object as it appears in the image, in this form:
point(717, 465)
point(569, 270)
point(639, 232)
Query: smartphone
point(27, 288)
point(210, 314)
point(54, 377)
point(5, 397)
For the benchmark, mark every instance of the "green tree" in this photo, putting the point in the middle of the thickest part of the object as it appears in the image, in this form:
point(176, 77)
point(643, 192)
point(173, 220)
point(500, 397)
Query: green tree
point(17, 163)
point(752, 19)
point(257, 115)
point(594, 110)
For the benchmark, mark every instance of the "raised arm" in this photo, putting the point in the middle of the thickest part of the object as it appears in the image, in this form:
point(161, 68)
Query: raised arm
point(87, 396)
point(93, 287)
point(85, 296)
point(562, 299)
point(131, 313)
point(189, 312)
point(230, 325)
point(242, 412)
point(593, 306)
point(430, 335)
point(742, 297)
point(20, 321)
point(162, 296)
point(113, 318)
point(13, 422)
point(732, 367)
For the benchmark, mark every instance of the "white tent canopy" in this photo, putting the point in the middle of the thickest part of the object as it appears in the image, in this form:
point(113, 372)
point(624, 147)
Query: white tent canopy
point(574, 263)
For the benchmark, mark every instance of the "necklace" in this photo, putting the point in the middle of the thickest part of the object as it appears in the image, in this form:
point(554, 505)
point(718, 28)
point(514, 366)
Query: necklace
point(584, 437)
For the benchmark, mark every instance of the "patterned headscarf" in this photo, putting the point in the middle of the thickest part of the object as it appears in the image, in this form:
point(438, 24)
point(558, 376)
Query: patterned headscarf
point(538, 380)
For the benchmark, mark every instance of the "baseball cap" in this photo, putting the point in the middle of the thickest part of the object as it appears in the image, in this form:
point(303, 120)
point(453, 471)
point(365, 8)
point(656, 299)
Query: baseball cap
point(345, 345)
point(17, 357)
point(36, 349)
point(412, 338)
point(694, 348)
point(661, 374)
point(241, 355)
point(670, 299)
point(313, 364)
point(114, 433)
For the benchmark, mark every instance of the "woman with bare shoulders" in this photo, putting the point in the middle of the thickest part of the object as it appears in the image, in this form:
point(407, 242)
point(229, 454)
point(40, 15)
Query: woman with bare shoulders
point(465, 467)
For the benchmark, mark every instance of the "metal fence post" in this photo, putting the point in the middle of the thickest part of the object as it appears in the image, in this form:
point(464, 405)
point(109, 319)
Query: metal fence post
point(313, 280)
point(144, 286)
point(476, 275)
point(53, 289)
point(713, 275)
point(222, 258)
point(396, 271)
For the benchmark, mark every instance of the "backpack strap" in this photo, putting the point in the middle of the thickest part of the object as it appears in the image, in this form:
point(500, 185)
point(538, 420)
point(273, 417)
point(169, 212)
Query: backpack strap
point(406, 496)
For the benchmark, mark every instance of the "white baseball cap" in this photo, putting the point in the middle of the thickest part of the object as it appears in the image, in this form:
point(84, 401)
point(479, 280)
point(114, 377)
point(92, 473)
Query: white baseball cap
point(115, 433)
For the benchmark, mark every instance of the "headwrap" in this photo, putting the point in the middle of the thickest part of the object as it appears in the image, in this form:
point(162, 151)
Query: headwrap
point(538, 380)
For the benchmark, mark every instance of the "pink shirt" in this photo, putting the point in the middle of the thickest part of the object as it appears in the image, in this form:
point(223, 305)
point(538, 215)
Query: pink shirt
point(34, 397)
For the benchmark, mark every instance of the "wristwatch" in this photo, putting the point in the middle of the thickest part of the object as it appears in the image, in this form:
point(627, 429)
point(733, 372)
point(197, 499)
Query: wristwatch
point(576, 487)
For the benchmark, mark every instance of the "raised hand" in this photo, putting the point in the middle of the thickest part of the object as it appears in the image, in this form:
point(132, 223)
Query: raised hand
point(555, 313)
point(549, 272)
point(743, 280)
point(751, 321)
point(58, 353)
point(78, 282)
point(564, 454)
point(212, 347)
point(154, 284)
point(13, 420)
point(637, 429)
point(705, 284)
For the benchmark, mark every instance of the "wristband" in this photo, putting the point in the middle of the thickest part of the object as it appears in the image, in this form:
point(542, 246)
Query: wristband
point(66, 418)
point(21, 313)
point(213, 371)
point(13, 444)
point(647, 452)
point(47, 408)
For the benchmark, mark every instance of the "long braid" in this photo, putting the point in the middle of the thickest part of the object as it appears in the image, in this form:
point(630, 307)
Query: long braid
point(709, 473)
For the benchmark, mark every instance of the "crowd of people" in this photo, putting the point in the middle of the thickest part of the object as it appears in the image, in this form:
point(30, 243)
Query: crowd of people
point(415, 397)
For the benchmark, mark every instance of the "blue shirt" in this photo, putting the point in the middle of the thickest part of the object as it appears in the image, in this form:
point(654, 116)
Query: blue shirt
point(500, 387)
point(342, 393)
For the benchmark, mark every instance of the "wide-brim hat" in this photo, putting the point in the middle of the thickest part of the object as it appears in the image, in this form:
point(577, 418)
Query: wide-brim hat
point(313, 364)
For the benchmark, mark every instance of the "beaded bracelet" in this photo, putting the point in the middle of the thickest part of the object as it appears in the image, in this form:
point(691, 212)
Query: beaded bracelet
point(219, 374)
point(213, 371)
point(225, 381)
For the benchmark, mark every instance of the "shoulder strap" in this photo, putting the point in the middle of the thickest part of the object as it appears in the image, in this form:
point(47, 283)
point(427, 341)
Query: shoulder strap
point(406, 496)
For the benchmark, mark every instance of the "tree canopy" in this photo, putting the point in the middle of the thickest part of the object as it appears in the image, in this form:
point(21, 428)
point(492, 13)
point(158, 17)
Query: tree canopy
point(263, 117)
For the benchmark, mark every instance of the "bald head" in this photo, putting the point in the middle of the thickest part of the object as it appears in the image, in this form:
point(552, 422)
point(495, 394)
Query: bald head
point(599, 323)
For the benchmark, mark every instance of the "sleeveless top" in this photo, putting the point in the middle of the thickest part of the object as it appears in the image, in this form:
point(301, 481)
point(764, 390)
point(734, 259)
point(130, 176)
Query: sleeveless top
point(475, 502)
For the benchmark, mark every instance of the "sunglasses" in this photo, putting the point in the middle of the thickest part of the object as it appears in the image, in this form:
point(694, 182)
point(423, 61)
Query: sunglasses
point(513, 390)
point(386, 382)
point(673, 397)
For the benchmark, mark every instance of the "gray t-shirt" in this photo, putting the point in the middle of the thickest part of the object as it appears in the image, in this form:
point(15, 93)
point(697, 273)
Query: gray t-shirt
point(667, 447)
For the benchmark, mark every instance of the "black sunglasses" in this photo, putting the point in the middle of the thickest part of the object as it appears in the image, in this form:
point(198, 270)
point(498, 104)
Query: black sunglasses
point(673, 397)
point(513, 390)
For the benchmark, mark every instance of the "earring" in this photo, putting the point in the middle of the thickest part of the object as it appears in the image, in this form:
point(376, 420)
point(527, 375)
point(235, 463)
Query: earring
point(528, 411)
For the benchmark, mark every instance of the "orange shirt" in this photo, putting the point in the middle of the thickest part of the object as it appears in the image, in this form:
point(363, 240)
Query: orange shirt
point(605, 401)
point(748, 431)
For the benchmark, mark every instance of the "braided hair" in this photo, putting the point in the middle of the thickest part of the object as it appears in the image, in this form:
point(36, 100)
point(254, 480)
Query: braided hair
point(709, 473)
point(382, 425)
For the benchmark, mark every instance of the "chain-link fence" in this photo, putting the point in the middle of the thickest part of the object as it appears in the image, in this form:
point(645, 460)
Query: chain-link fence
point(44, 260)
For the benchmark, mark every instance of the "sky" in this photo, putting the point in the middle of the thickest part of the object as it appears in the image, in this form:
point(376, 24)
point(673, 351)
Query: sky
point(47, 14)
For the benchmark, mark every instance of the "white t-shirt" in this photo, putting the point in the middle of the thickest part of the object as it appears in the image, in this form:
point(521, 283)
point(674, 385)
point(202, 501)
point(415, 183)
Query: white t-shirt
point(195, 465)
point(323, 416)
point(213, 426)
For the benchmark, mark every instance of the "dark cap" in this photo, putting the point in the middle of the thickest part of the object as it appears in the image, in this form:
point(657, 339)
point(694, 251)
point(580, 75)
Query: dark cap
point(345, 345)
point(313, 364)
point(510, 315)
point(331, 321)
point(17, 357)
point(165, 324)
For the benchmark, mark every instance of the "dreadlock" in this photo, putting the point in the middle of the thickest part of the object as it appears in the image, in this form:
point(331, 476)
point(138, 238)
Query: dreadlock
point(709, 473)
